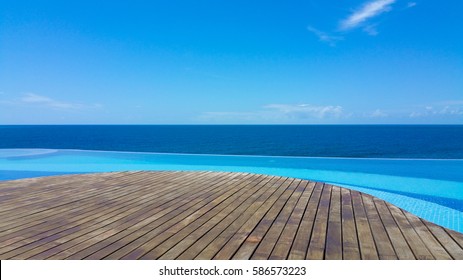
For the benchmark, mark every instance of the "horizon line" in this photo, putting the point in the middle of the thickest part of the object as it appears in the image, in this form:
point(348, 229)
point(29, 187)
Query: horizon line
point(257, 124)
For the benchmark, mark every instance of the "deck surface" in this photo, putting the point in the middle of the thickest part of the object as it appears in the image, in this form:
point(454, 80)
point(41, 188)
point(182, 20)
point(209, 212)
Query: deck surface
point(208, 215)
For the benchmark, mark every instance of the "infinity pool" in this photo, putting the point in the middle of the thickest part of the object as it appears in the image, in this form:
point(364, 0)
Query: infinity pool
point(431, 189)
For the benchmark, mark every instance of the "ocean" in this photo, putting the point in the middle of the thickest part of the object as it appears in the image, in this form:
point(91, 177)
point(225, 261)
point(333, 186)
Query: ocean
point(351, 141)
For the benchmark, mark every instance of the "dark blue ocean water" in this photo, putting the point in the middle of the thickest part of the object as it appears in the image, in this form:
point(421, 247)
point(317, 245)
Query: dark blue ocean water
point(357, 141)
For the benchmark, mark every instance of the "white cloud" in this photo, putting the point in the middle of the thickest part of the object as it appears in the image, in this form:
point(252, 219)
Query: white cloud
point(366, 12)
point(305, 111)
point(325, 37)
point(33, 98)
point(411, 4)
point(379, 114)
point(231, 115)
point(446, 108)
point(40, 100)
point(279, 113)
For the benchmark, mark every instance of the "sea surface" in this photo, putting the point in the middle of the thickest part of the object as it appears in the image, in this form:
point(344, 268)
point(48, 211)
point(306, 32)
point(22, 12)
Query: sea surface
point(350, 141)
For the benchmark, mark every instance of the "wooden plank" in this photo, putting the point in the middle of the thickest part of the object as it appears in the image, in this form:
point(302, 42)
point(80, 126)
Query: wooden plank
point(209, 244)
point(350, 245)
point(206, 215)
point(55, 222)
point(159, 233)
point(130, 214)
point(177, 227)
point(298, 250)
point(264, 249)
point(252, 241)
point(365, 236)
point(155, 216)
point(382, 241)
point(157, 222)
point(154, 237)
point(230, 248)
point(429, 240)
point(40, 184)
point(458, 237)
point(104, 224)
point(92, 197)
point(173, 247)
point(398, 241)
point(32, 229)
point(40, 187)
point(413, 239)
point(445, 240)
point(316, 250)
point(283, 246)
point(333, 248)
point(67, 193)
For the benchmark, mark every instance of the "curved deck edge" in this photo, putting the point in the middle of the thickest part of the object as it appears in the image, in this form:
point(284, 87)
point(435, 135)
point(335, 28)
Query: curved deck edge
point(208, 215)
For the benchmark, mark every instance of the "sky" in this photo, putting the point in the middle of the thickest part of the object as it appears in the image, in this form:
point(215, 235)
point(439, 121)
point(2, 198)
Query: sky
point(231, 62)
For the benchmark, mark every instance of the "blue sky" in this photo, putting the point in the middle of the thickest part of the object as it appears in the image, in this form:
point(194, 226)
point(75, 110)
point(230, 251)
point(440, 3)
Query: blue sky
point(231, 62)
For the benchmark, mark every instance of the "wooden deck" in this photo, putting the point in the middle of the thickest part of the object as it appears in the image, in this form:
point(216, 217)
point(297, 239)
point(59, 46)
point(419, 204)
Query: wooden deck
point(208, 215)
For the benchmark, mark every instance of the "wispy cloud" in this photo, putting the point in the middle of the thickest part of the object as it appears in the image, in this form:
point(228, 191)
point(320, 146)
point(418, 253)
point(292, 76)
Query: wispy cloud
point(367, 11)
point(411, 4)
point(228, 117)
point(324, 114)
point(445, 108)
point(279, 113)
point(378, 114)
point(307, 111)
point(371, 30)
point(324, 37)
point(32, 98)
point(358, 18)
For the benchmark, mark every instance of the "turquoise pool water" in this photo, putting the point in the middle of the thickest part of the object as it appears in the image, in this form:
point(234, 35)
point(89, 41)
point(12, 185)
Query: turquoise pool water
point(431, 189)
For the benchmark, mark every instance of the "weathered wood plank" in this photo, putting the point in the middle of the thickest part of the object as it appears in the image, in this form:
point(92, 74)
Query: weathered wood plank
point(145, 214)
point(445, 240)
point(382, 241)
point(161, 219)
point(316, 250)
point(365, 236)
point(236, 217)
point(283, 246)
point(333, 250)
point(301, 242)
point(155, 247)
point(137, 207)
point(252, 241)
point(216, 218)
point(208, 215)
point(456, 236)
point(264, 249)
point(217, 244)
point(157, 236)
point(413, 239)
point(30, 233)
point(68, 210)
point(398, 241)
point(230, 248)
point(350, 245)
point(428, 238)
